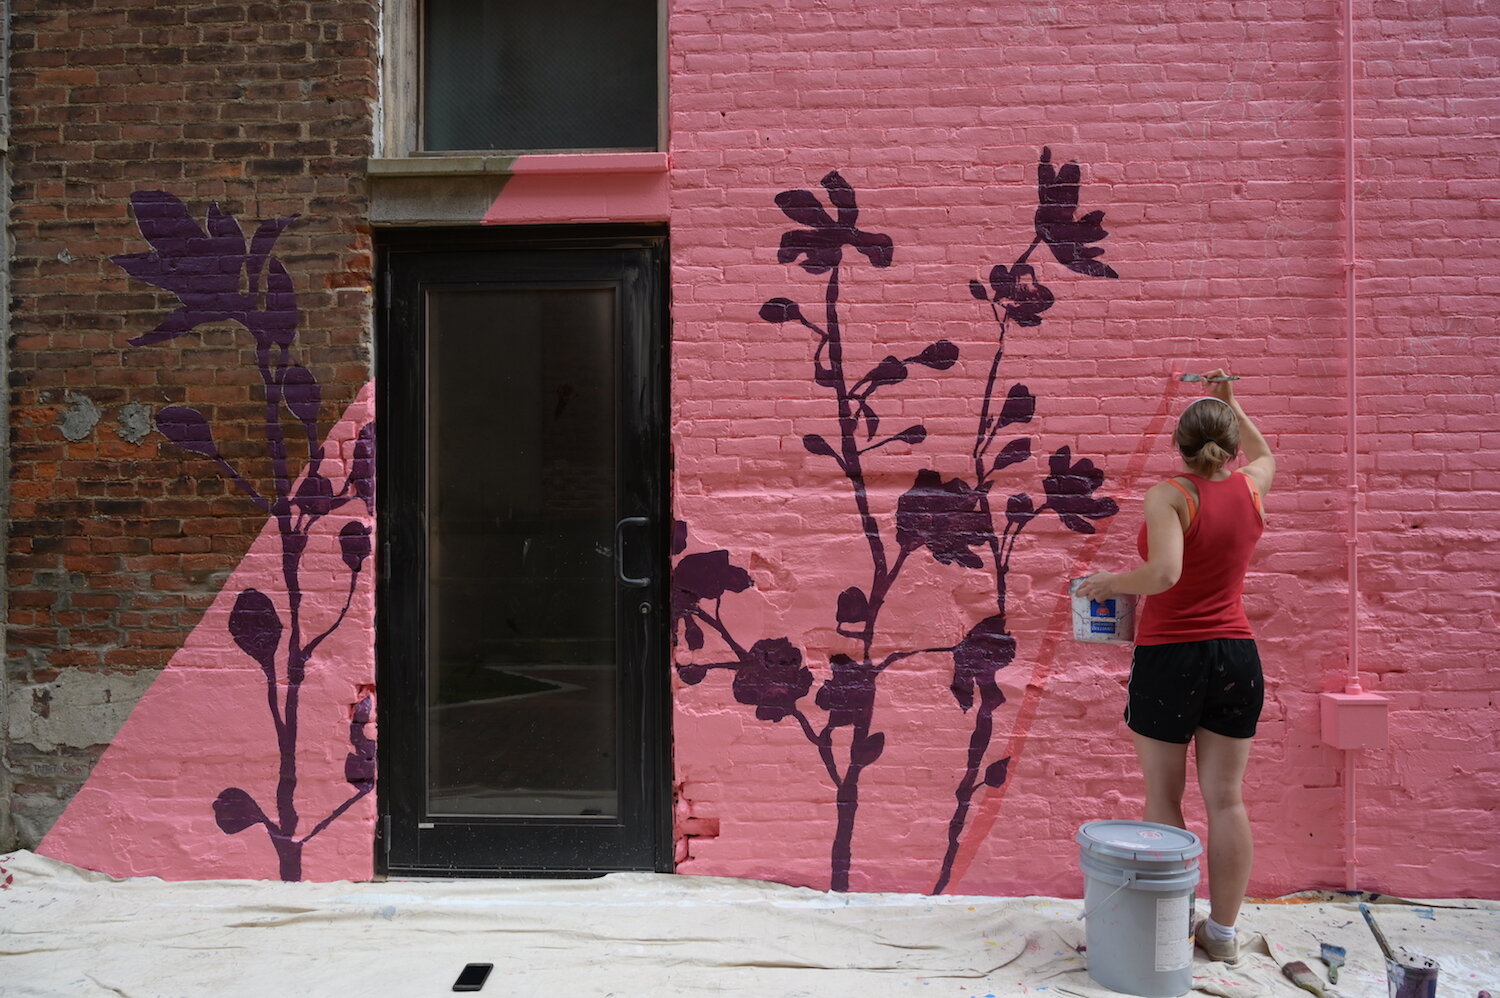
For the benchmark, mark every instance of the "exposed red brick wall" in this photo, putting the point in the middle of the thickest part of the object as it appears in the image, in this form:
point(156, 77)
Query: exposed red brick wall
point(119, 540)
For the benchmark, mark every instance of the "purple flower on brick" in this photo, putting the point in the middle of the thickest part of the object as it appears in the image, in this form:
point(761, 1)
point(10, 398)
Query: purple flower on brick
point(1068, 238)
point(772, 678)
point(1017, 290)
point(822, 242)
point(945, 517)
point(1070, 492)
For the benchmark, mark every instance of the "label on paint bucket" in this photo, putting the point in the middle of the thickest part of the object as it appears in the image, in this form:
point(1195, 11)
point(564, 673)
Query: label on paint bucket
point(1174, 927)
point(1108, 621)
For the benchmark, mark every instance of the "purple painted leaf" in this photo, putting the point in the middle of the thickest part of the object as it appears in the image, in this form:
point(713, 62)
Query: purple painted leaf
point(889, 371)
point(977, 290)
point(362, 469)
point(177, 322)
point(1070, 492)
point(201, 268)
point(256, 627)
point(260, 247)
point(1019, 510)
point(854, 606)
point(939, 356)
point(872, 421)
point(278, 317)
point(867, 749)
point(824, 377)
point(692, 632)
point(679, 537)
point(943, 516)
point(165, 222)
point(359, 765)
point(354, 544)
point(359, 772)
point(994, 773)
point(986, 649)
point(302, 393)
point(781, 310)
point(235, 811)
point(709, 575)
point(187, 429)
point(223, 226)
point(912, 435)
point(848, 695)
point(772, 678)
point(817, 445)
point(1020, 406)
point(692, 675)
point(803, 208)
point(315, 495)
point(1014, 452)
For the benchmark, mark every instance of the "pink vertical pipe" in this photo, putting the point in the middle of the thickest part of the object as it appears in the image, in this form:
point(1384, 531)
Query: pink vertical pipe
point(1352, 686)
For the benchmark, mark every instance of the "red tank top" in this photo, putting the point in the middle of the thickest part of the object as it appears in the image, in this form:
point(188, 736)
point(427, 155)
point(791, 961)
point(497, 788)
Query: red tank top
point(1216, 547)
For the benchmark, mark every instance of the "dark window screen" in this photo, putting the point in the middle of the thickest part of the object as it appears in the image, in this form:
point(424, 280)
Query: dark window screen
point(540, 74)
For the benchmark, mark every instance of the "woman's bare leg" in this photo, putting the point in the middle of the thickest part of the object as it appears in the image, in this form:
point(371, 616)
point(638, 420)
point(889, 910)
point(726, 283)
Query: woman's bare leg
point(1164, 765)
point(1221, 771)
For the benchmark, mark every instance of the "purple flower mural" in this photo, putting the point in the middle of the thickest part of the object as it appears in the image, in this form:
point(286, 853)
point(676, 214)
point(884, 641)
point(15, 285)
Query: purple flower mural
point(952, 518)
point(218, 275)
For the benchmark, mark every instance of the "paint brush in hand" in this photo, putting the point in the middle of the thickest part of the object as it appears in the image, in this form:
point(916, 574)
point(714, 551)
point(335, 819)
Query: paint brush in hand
point(1200, 377)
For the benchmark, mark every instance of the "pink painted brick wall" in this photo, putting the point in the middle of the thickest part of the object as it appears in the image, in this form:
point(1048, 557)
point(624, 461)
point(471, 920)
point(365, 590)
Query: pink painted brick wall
point(1211, 136)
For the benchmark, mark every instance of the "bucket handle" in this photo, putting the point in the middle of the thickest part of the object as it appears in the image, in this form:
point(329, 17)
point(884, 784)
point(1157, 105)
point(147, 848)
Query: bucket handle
point(1129, 879)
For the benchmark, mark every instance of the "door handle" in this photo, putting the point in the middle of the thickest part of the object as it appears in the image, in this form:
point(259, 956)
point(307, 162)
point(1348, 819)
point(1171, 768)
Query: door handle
point(629, 521)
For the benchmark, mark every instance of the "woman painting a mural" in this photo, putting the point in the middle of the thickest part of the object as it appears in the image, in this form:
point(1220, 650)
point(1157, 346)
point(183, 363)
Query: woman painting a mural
point(1196, 675)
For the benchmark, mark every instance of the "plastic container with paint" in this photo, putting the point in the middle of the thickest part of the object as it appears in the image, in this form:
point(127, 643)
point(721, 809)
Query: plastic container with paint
point(1106, 621)
point(1139, 879)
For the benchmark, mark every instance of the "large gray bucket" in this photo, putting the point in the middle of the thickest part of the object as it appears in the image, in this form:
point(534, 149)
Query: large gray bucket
point(1139, 879)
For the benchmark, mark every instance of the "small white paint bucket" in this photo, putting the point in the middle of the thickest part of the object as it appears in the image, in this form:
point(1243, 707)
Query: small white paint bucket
point(1106, 621)
point(1139, 879)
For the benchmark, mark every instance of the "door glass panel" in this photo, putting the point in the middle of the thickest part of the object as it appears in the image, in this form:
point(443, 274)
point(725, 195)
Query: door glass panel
point(522, 682)
point(553, 75)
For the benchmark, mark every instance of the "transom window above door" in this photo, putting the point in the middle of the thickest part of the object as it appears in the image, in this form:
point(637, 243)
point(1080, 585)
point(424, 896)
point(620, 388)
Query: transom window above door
point(522, 76)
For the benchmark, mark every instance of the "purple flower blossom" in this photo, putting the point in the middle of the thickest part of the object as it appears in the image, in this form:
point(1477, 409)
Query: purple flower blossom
point(824, 239)
point(1068, 238)
point(1017, 290)
point(945, 517)
point(1070, 492)
point(772, 678)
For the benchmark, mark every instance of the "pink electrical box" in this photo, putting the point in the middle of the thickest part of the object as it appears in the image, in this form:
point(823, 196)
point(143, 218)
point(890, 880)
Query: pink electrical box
point(1355, 720)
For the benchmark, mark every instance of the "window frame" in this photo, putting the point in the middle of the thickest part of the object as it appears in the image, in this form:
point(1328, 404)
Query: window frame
point(399, 112)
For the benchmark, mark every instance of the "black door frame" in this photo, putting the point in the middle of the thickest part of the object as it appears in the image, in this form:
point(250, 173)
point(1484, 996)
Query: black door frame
point(400, 625)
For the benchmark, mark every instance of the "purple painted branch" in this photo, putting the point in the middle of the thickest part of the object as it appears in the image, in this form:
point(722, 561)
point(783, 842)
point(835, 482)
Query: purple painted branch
point(1035, 242)
point(981, 442)
point(348, 601)
point(824, 744)
point(718, 625)
point(979, 743)
point(330, 819)
point(244, 485)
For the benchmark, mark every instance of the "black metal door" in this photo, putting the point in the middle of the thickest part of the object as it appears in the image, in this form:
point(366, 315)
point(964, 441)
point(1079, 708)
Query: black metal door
point(523, 721)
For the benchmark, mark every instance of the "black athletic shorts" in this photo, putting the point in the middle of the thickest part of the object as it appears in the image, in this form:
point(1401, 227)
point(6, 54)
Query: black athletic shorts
point(1178, 688)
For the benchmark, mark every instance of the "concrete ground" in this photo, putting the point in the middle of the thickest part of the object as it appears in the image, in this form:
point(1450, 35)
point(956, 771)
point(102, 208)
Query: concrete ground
point(67, 932)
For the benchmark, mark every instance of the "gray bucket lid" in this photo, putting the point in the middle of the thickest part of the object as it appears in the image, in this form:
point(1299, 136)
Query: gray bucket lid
point(1144, 841)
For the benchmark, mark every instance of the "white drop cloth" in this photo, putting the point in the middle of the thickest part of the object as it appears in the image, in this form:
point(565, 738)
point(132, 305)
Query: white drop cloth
point(67, 932)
